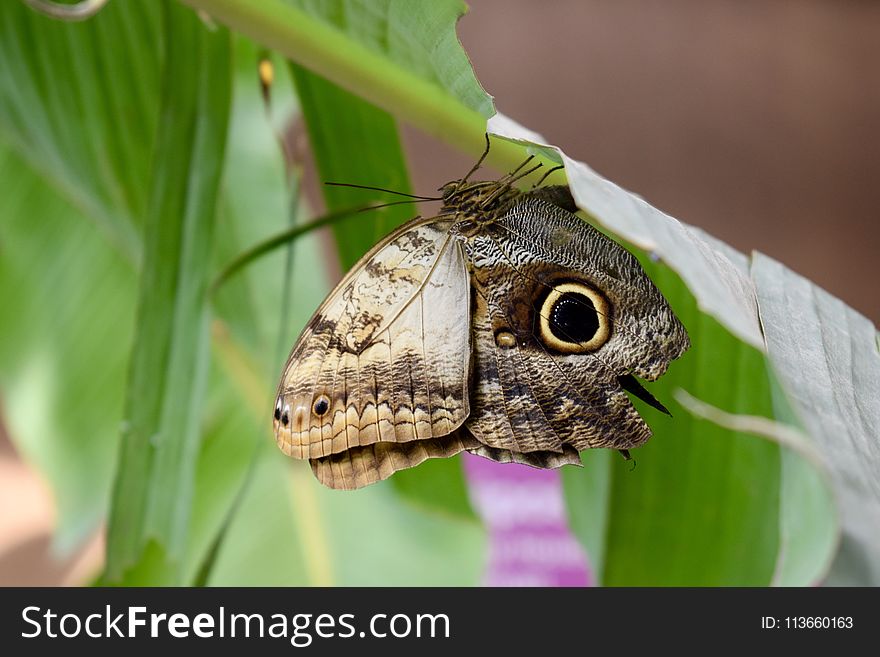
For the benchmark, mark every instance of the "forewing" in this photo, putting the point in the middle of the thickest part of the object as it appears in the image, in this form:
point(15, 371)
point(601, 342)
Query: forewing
point(386, 357)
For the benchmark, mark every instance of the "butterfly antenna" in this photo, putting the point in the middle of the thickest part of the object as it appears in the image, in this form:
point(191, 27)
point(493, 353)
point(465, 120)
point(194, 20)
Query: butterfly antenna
point(544, 177)
point(385, 205)
point(479, 162)
point(382, 189)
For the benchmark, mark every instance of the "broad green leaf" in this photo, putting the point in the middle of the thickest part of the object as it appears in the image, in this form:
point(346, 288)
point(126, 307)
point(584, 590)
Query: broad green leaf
point(375, 540)
point(235, 432)
point(77, 103)
point(152, 496)
point(421, 40)
point(368, 537)
point(259, 200)
point(264, 546)
point(66, 317)
point(62, 384)
point(354, 142)
point(808, 530)
point(437, 485)
point(701, 505)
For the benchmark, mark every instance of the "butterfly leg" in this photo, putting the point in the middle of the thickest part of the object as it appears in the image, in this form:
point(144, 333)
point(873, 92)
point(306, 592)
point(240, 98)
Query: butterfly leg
point(627, 457)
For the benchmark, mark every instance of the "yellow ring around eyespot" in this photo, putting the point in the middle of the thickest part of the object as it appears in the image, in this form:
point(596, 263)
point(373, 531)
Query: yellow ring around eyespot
point(603, 314)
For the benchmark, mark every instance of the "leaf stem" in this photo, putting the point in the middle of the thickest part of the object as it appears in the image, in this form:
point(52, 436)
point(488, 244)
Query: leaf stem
point(270, 244)
point(329, 52)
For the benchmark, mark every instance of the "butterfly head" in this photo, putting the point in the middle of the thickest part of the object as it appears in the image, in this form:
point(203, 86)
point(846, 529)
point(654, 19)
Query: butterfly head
point(481, 202)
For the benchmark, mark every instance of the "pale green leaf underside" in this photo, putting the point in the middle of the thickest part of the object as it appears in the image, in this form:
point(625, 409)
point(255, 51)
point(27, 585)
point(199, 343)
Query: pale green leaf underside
point(825, 355)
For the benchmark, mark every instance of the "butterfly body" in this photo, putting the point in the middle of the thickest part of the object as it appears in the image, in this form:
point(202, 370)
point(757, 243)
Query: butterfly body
point(503, 326)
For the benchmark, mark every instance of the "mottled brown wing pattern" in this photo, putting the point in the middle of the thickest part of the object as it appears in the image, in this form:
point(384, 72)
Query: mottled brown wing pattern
point(505, 327)
point(365, 465)
point(385, 358)
point(529, 396)
point(360, 466)
point(529, 399)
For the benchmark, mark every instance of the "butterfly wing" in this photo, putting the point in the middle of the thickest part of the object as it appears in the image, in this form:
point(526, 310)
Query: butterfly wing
point(383, 361)
point(393, 369)
point(360, 466)
point(529, 393)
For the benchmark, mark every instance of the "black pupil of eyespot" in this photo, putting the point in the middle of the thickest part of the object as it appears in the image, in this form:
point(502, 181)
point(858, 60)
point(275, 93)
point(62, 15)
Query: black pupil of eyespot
point(277, 413)
point(321, 406)
point(573, 318)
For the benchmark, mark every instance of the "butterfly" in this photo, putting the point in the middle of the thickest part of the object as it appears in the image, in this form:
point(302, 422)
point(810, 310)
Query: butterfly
point(504, 326)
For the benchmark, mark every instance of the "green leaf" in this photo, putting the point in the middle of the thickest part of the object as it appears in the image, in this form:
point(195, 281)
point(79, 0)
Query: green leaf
point(372, 539)
point(258, 201)
point(808, 528)
point(437, 485)
point(402, 57)
point(84, 123)
point(420, 40)
point(67, 324)
point(375, 540)
point(76, 102)
point(353, 142)
point(681, 515)
point(826, 357)
point(77, 106)
point(264, 546)
point(154, 482)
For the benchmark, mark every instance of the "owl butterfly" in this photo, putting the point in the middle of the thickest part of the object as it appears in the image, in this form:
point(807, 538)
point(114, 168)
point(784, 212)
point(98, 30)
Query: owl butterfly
point(504, 326)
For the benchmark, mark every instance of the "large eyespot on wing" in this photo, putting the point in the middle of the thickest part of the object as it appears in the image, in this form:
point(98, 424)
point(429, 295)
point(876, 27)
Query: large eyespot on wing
point(573, 317)
point(386, 356)
point(563, 314)
point(642, 315)
point(533, 398)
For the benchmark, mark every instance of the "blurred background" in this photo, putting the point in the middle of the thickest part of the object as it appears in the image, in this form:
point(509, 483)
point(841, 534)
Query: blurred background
point(757, 121)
